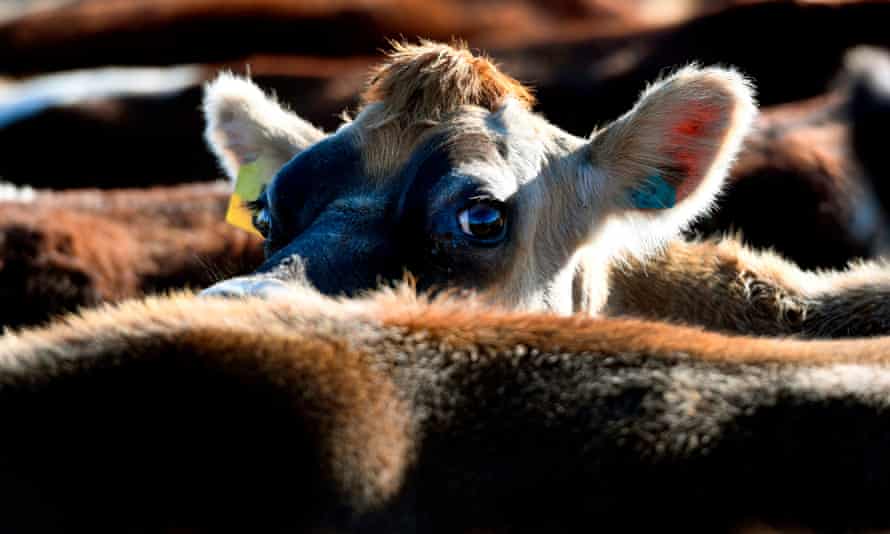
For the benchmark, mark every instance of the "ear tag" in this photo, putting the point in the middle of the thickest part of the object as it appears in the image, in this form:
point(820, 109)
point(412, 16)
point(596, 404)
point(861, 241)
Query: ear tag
point(251, 179)
point(654, 194)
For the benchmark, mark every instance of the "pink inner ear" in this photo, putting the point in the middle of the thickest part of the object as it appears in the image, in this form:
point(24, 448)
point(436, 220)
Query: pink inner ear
point(686, 148)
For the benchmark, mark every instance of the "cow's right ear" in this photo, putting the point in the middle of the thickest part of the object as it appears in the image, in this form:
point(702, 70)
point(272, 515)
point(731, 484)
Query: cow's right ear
point(244, 124)
point(663, 163)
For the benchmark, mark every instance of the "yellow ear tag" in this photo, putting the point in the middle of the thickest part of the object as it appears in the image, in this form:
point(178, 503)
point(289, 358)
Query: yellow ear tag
point(251, 179)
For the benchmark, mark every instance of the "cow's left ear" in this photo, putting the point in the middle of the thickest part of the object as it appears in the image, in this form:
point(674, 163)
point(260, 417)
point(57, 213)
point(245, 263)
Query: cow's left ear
point(244, 124)
point(664, 162)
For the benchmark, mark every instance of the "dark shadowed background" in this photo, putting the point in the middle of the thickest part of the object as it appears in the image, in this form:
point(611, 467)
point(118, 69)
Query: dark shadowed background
point(109, 192)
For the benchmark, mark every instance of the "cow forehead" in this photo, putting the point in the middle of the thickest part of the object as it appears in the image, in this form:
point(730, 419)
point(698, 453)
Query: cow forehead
point(419, 86)
point(387, 146)
point(366, 160)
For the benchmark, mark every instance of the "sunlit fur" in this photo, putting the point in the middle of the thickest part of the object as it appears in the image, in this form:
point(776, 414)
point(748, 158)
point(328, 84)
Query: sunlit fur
point(243, 124)
point(574, 222)
point(722, 285)
point(423, 85)
point(429, 81)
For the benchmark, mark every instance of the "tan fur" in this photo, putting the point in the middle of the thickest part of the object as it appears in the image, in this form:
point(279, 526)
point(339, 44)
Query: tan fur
point(470, 327)
point(420, 85)
point(717, 284)
point(430, 80)
point(722, 285)
point(463, 327)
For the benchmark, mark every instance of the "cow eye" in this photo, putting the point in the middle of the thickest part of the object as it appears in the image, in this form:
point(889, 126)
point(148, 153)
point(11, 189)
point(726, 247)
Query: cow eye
point(483, 220)
point(262, 222)
point(259, 213)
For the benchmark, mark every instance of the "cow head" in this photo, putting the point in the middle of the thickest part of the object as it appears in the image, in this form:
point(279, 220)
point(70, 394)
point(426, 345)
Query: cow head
point(445, 172)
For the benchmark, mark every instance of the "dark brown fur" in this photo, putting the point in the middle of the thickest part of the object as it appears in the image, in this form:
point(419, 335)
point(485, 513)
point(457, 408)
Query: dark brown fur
point(391, 414)
point(798, 189)
point(61, 251)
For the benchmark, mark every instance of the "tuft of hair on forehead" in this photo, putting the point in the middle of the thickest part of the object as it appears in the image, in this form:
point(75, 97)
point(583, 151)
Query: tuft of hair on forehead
point(428, 80)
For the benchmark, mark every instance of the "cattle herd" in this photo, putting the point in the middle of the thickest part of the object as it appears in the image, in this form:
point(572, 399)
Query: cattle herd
point(466, 312)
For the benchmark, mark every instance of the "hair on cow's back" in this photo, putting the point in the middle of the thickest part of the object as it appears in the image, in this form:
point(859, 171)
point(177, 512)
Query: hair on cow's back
point(398, 413)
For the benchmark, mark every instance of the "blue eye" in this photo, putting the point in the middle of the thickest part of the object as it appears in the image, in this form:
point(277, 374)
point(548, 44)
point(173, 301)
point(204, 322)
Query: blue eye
point(483, 220)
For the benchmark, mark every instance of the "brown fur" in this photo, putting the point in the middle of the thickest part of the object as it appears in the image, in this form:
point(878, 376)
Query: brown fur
point(724, 286)
point(392, 413)
point(419, 86)
point(814, 205)
point(61, 251)
point(460, 326)
point(429, 80)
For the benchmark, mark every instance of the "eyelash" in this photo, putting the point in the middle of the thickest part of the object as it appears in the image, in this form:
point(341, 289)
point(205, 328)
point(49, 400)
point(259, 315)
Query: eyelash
point(256, 208)
point(257, 205)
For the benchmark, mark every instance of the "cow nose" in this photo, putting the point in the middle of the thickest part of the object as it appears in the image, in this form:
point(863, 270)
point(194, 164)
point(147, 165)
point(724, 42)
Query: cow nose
point(248, 287)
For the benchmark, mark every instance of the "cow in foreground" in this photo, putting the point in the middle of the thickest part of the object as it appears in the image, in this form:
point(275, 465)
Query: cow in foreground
point(446, 173)
point(391, 414)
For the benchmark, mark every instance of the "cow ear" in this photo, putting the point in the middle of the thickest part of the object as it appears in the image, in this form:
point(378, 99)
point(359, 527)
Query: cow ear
point(244, 124)
point(664, 162)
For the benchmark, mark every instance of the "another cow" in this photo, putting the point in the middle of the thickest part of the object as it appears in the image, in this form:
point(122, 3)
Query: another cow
point(390, 414)
point(446, 173)
point(63, 250)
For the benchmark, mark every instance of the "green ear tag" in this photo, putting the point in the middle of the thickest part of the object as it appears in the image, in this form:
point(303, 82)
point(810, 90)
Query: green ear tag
point(654, 194)
point(251, 179)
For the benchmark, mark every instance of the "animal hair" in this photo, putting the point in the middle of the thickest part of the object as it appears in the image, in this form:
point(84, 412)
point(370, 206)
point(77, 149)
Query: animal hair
point(394, 413)
point(244, 124)
point(721, 284)
point(428, 80)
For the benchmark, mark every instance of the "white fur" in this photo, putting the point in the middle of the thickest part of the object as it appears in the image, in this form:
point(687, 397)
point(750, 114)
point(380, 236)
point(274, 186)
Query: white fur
point(16, 193)
point(634, 147)
point(244, 124)
point(644, 230)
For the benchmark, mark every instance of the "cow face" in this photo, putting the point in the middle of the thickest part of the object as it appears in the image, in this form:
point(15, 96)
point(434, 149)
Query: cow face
point(447, 174)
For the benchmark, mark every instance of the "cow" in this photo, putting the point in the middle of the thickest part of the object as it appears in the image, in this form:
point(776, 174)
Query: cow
point(446, 172)
point(394, 413)
point(60, 250)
